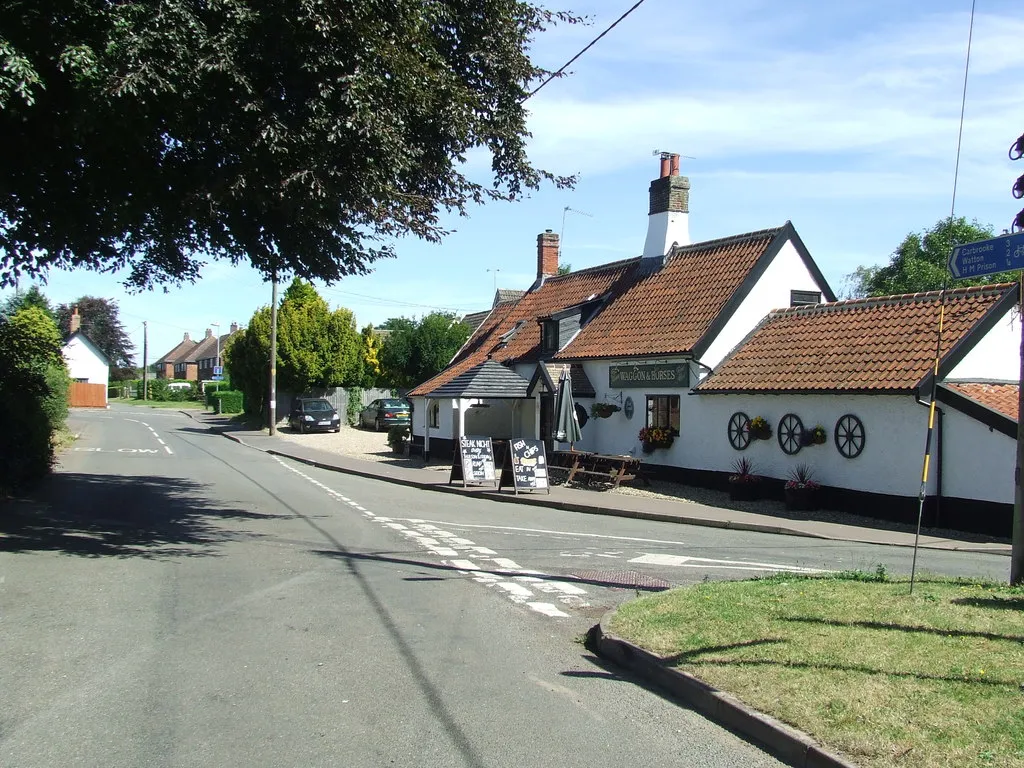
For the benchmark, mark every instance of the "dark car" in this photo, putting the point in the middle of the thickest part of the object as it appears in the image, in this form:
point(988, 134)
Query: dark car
point(313, 415)
point(389, 412)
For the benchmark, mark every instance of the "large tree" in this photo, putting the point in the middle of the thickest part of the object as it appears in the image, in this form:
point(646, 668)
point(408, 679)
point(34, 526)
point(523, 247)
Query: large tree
point(919, 263)
point(299, 136)
point(102, 324)
point(33, 297)
point(414, 351)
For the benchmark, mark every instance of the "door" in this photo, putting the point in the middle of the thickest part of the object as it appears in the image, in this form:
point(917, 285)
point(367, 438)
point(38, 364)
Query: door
point(547, 420)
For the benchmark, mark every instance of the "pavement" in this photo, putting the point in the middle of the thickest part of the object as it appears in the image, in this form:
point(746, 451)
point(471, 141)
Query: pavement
point(588, 501)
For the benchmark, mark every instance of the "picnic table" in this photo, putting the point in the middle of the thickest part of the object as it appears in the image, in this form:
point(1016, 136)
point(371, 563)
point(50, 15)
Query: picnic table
point(614, 469)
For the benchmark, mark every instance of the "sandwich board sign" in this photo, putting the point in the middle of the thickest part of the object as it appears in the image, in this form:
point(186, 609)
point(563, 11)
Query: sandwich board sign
point(525, 466)
point(474, 462)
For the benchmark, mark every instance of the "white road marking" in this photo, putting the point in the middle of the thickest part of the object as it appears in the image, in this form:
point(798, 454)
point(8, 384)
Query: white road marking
point(168, 450)
point(682, 561)
point(435, 541)
point(547, 609)
point(570, 534)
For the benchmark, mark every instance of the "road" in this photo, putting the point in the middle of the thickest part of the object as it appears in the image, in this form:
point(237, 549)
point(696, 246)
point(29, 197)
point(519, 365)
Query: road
point(173, 598)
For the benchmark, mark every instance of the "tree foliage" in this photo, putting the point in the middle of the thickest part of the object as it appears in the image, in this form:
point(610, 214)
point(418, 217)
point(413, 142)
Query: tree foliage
point(414, 351)
point(33, 297)
point(317, 348)
point(33, 395)
point(102, 324)
point(919, 263)
point(298, 136)
point(371, 357)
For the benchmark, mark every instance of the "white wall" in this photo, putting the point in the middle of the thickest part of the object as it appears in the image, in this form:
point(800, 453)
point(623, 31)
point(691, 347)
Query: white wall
point(996, 355)
point(891, 462)
point(84, 363)
point(787, 272)
point(977, 461)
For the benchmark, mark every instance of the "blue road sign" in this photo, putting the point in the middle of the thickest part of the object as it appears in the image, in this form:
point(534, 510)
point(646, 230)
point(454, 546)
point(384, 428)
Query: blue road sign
point(218, 378)
point(218, 370)
point(986, 257)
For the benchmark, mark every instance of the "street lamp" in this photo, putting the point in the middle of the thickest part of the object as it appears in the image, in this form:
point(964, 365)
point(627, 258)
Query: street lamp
point(216, 363)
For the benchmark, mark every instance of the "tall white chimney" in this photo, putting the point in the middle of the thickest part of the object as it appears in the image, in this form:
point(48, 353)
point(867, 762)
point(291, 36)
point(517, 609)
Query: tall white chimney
point(669, 218)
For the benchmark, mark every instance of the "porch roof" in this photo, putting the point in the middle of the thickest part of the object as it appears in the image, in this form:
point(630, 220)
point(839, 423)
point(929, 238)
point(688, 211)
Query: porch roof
point(487, 380)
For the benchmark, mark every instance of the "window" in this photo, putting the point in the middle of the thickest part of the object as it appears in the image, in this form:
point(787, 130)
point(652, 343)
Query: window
point(549, 331)
point(802, 298)
point(434, 415)
point(663, 411)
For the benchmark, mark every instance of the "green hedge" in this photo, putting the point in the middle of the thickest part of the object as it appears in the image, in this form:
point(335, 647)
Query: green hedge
point(230, 401)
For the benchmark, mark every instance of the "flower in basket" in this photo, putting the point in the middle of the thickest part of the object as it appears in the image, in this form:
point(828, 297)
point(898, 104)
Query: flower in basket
point(743, 472)
point(656, 437)
point(802, 478)
point(603, 410)
point(759, 428)
point(818, 435)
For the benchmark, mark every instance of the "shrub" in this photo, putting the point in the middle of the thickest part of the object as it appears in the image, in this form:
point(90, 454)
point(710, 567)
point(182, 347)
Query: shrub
point(354, 405)
point(230, 401)
point(398, 435)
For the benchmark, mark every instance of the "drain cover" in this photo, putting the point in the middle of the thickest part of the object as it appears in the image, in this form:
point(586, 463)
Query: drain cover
point(623, 580)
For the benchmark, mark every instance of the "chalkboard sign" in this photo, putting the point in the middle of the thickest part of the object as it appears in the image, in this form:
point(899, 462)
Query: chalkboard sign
point(474, 462)
point(526, 465)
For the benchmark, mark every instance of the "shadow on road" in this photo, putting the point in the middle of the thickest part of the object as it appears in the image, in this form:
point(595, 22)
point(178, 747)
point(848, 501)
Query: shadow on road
point(110, 516)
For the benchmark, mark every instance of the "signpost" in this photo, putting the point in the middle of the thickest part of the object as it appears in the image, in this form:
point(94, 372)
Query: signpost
point(525, 466)
point(474, 462)
point(1002, 254)
point(986, 257)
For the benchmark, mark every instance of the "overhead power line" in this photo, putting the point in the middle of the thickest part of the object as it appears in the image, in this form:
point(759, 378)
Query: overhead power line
point(590, 45)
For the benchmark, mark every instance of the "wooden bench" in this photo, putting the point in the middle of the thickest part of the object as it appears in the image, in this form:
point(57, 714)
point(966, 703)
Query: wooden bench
point(611, 469)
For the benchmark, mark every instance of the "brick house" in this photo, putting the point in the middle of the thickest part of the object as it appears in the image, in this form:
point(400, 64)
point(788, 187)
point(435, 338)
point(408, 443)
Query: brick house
point(165, 366)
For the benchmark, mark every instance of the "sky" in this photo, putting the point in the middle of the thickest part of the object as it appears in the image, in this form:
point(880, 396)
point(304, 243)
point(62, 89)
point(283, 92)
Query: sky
point(840, 117)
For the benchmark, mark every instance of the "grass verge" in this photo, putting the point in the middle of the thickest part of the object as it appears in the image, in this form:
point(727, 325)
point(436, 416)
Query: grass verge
point(191, 405)
point(932, 679)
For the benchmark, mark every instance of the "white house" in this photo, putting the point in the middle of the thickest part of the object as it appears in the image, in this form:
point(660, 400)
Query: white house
point(86, 364)
point(862, 370)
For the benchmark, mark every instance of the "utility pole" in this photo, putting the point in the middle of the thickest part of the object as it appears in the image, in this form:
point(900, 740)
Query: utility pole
point(145, 359)
point(273, 353)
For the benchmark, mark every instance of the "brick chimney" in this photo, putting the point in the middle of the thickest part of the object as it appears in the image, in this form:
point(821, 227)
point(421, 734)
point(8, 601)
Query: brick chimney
point(186, 337)
point(75, 323)
point(209, 333)
point(668, 220)
point(547, 254)
point(234, 328)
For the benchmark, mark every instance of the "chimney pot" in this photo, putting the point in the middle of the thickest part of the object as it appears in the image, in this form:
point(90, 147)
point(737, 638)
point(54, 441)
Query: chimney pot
point(234, 328)
point(186, 337)
point(547, 254)
point(665, 166)
point(209, 333)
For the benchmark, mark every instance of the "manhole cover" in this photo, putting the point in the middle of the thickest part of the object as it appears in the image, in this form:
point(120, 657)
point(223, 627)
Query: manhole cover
point(623, 580)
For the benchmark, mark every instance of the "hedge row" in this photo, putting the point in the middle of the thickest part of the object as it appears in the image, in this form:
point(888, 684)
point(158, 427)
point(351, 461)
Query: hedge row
point(225, 401)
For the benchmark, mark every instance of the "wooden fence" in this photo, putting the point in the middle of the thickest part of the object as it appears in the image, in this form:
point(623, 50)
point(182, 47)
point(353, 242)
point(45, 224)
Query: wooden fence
point(87, 395)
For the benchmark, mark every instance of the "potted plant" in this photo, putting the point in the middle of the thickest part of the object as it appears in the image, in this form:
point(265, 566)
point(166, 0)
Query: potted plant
point(818, 435)
point(603, 410)
point(744, 483)
point(801, 489)
point(656, 437)
point(760, 429)
point(398, 437)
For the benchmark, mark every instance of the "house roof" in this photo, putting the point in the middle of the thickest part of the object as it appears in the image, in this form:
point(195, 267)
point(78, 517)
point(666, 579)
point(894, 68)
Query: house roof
point(179, 353)
point(488, 379)
point(999, 397)
point(877, 344)
point(207, 348)
point(474, 319)
point(501, 295)
point(91, 344)
point(679, 308)
point(554, 294)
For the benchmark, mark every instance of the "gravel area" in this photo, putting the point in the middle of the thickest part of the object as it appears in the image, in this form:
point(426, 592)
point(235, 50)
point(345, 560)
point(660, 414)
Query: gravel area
point(372, 446)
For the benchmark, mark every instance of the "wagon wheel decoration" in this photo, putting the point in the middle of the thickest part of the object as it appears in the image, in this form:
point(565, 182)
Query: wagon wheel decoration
point(791, 431)
point(739, 431)
point(850, 436)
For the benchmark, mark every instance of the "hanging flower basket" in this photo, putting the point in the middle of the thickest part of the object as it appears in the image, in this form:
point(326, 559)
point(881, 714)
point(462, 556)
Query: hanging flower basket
point(653, 438)
point(603, 410)
point(760, 429)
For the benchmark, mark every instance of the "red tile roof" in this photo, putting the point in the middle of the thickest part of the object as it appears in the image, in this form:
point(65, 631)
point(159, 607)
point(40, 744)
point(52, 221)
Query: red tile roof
point(876, 344)
point(557, 293)
point(179, 353)
point(998, 397)
point(670, 310)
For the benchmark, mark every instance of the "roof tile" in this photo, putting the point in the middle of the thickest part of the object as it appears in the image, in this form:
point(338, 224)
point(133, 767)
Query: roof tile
point(998, 397)
point(879, 343)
